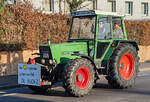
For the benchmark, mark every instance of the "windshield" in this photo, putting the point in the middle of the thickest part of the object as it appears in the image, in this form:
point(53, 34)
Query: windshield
point(83, 28)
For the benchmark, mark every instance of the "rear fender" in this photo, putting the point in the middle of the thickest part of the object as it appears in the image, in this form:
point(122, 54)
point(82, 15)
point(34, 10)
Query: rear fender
point(115, 45)
point(132, 42)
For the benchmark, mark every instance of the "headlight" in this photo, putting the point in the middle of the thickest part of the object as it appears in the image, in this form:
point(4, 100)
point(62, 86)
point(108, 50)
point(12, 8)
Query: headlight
point(45, 55)
point(43, 61)
point(50, 61)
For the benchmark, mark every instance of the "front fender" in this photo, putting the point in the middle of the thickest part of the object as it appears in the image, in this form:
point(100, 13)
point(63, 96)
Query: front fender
point(87, 57)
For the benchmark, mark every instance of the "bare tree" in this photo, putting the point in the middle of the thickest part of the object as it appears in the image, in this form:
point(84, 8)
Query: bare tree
point(74, 5)
point(60, 9)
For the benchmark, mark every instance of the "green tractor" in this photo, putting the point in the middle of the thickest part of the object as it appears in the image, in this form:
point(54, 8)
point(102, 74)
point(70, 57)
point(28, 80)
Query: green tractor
point(97, 45)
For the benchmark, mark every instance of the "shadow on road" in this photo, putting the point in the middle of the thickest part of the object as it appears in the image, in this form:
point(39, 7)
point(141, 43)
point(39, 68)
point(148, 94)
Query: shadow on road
point(52, 93)
point(102, 85)
point(134, 90)
point(21, 99)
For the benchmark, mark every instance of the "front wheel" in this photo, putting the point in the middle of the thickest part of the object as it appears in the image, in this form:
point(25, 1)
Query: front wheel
point(79, 77)
point(123, 67)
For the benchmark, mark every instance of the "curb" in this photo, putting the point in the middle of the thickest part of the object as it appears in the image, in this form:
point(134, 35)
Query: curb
point(144, 69)
point(7, 82)
point(9, 86)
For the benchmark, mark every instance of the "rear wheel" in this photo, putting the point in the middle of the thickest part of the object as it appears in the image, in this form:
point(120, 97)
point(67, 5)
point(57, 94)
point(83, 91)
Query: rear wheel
point(78, 77)
point(123, 67)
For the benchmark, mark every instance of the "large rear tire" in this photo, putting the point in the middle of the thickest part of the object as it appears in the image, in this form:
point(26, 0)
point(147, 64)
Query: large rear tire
point(123, 67)
point(78, 77)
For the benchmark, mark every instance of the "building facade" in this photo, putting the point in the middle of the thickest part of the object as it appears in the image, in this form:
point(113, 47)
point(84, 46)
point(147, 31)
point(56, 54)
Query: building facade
point(132, 9)
point(52, 6)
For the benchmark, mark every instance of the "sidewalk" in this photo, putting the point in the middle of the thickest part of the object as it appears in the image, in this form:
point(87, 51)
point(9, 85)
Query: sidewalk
point(7, 82)
point(145, 66)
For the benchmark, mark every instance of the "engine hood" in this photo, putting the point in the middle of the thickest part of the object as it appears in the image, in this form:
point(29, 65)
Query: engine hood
point(63, 52)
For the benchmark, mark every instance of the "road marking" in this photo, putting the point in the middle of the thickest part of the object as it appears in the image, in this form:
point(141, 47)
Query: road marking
point(2, 92)
point(11, 94)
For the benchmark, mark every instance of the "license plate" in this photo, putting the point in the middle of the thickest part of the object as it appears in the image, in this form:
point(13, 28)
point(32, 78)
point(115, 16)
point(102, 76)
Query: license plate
point(45, 55)
point(29, 74)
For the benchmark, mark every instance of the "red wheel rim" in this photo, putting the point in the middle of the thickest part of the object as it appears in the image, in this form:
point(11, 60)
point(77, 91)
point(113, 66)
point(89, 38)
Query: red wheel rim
point(127, 66)
point(82, 77)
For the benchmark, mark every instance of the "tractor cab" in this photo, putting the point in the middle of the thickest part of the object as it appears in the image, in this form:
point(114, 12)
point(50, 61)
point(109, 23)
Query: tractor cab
point(99, 29)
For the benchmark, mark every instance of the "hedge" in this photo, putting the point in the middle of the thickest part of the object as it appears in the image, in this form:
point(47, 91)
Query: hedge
point(22, 27)
point(27, 28)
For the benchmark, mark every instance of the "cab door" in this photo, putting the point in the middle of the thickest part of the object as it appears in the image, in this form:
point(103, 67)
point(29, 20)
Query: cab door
point(103, 37)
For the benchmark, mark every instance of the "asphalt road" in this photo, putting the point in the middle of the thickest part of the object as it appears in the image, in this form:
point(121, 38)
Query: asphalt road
point(101, 93)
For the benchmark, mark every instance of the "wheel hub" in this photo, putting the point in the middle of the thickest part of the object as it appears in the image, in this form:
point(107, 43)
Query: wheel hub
point(122, 65)
point(127, 66)
point(82, 77)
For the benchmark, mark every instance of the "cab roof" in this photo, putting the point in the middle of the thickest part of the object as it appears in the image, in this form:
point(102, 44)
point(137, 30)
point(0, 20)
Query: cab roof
point(94, 12)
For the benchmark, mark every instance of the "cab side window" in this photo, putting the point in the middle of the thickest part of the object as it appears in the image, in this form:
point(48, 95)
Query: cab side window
point(117, 28)
point(103, 29)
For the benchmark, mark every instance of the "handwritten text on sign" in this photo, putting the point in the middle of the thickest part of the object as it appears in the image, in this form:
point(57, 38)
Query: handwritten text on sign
point(29, 74)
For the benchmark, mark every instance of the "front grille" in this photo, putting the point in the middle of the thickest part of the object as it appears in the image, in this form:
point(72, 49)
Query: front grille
point(45, 52)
